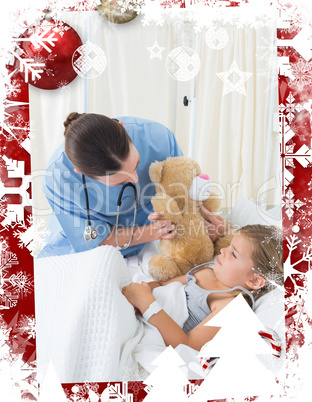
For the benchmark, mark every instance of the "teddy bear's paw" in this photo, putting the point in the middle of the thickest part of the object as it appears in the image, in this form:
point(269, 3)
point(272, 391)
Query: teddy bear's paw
point(167, 206)
point(162, 268)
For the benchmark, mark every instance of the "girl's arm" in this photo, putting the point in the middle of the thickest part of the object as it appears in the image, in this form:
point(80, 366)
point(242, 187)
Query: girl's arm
point(156, 284)
point(141, 297)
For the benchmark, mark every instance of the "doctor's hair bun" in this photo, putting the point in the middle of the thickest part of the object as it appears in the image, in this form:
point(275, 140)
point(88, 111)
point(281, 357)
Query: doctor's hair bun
point(71, 117)
point(95, 144)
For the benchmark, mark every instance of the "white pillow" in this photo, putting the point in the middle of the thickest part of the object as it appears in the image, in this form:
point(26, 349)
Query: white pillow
point(270, 311)
point(246, 212)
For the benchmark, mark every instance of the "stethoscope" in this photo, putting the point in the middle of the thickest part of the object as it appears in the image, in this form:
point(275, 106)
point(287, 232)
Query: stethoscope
point(91, 234)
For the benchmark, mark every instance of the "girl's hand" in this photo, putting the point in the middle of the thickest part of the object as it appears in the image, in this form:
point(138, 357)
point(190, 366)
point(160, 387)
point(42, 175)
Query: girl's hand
point(154, 284)
point(139, 295)
point(216, 226)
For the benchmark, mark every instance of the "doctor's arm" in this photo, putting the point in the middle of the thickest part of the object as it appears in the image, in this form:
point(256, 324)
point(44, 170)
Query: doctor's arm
point(160, 229)
point(216, 225)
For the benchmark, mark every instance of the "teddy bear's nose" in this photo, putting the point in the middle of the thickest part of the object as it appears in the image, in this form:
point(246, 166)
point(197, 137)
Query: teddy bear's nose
point(204, 176)
point(200, 188)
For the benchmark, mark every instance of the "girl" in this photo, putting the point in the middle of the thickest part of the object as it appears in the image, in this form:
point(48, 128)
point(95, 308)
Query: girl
point(255, 253)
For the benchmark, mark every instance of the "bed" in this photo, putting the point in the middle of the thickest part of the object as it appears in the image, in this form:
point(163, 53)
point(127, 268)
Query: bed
point(88, 330)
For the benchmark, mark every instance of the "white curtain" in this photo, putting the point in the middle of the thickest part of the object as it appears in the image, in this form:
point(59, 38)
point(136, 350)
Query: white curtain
point(233, 131)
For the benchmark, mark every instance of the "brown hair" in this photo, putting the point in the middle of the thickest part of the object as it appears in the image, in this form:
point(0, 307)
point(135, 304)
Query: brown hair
point(95, 144)
point(267, 255)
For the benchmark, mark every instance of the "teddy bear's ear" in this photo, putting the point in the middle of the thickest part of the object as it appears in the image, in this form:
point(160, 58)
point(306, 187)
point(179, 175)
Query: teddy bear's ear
point(155, 171)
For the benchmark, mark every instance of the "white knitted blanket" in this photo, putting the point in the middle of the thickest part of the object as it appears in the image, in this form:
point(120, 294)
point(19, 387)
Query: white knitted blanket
point(85, 326)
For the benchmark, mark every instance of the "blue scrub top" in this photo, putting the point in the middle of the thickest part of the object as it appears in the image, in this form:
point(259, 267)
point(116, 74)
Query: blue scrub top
point(64, 190)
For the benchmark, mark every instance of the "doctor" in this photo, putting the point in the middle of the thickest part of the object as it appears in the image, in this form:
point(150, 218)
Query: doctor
point(106, 153)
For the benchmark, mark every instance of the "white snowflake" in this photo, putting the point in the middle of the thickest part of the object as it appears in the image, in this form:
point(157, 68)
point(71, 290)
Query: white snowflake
point(21, 282)
point(273, 263)
point(290, 204)
point(291, 108)
point(13, 88)
point(304, 215)
point(7, 261)
point(266, 55)
point(5, 117)
point(42, 60)
point(61, 28)
point(20, 128)
point(28, 67)
point(63, 86)
point(289, 270)
point(27, 325)
point(300, 15)
point(134, 373)
point(37, 36)
point(32, 235)
point(277, 236)
point(16, 131)
point(302, 72)
point(273, 279)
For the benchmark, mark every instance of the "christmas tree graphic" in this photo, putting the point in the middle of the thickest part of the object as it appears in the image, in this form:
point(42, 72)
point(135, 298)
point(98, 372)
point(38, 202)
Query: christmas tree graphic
point(51, 389)
point(238, 372)
point(167, 382)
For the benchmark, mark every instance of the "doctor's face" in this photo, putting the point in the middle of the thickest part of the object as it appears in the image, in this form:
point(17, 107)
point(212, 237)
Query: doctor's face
point(127, 173)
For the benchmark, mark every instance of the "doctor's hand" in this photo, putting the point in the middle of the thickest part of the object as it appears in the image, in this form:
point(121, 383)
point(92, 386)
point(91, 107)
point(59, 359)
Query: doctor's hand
point(165, 229)
point(216, 226)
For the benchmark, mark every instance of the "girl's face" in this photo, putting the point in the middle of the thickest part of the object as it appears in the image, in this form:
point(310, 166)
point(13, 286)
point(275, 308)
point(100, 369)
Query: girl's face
point(233, 266)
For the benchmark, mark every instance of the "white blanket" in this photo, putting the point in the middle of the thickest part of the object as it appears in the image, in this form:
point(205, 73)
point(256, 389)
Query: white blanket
point(86, 327)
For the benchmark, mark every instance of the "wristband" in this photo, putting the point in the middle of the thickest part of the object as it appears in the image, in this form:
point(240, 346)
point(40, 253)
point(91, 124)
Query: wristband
point(154, 308)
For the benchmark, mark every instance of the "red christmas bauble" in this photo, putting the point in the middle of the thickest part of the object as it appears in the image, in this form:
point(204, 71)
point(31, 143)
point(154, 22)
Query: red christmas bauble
point(49, 47)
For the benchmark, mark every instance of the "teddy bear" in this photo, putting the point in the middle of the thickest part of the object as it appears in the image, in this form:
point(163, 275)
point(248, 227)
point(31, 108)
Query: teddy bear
point(180, 190)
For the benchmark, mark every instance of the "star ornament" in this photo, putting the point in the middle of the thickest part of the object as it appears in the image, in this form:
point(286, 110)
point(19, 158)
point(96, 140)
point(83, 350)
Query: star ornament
point(155, 51)
point(234, 80)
